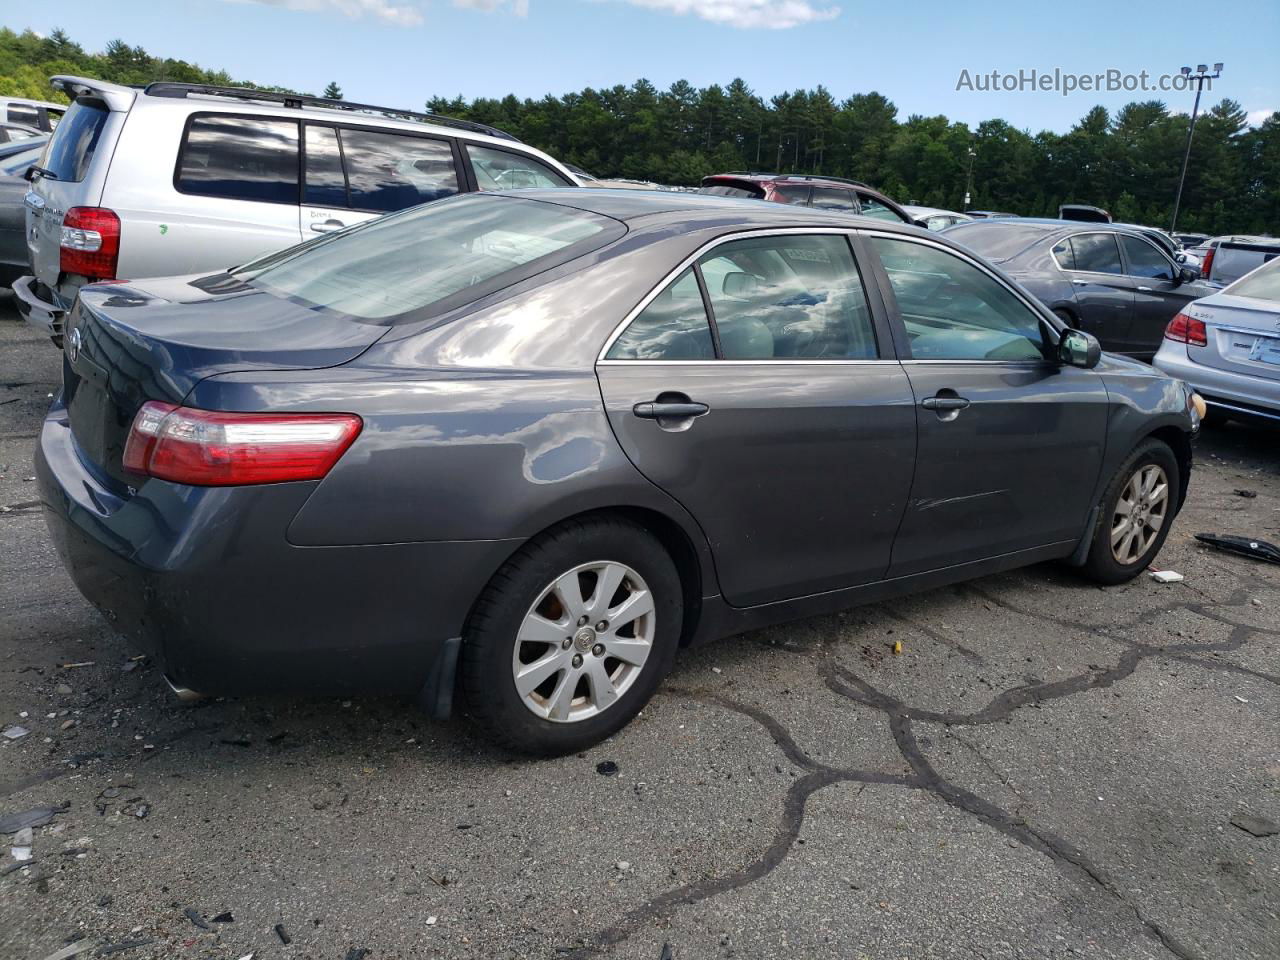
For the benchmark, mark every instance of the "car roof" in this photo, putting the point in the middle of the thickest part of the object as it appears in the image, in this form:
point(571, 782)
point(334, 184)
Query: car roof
point(1049, 225)
point(916, 211)
point(807, 178)
point(699, 210)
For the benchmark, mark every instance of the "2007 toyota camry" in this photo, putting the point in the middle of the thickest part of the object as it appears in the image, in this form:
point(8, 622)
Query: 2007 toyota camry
point(528, 445)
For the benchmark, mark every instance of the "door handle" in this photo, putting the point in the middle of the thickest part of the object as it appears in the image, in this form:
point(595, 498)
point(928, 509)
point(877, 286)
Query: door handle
point(656, 409)
point(1145, 289)
point(944, 403)
point(1081, 283)
point(327, 226)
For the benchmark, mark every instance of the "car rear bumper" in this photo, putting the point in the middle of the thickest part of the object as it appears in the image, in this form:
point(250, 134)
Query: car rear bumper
point(204, 580)
point(1225, 389)
point(46, 316)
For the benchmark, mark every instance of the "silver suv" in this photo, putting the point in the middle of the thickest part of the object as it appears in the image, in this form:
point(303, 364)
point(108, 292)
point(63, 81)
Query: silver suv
point(181, 178)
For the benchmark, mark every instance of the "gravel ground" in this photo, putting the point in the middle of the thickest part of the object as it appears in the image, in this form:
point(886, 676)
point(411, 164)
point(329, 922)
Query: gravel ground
point(1048, 769)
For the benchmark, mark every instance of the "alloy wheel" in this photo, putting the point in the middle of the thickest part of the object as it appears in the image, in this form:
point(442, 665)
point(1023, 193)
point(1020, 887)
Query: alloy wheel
point(584, 642)
point(1140, 513)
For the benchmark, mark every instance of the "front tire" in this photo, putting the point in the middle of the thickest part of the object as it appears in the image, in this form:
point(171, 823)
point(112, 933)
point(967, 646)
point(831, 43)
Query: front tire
point(572, 636)
point(1137, 511)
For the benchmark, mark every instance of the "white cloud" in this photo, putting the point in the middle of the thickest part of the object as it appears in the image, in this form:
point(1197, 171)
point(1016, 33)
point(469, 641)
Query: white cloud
point(1255, 118)
point(519, 7)
point(747, 14)
point(396, 14)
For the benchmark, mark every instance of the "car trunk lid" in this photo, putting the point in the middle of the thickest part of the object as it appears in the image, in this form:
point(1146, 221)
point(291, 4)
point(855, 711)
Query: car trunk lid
point(155, 340)
point(1242, 334)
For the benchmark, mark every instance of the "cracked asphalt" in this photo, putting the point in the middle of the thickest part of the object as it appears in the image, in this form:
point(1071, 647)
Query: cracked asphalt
point(1048, 769)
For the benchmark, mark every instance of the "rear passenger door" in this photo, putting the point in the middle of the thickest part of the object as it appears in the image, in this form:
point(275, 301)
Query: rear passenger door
point(353, 174)
point(1103, 294)
point(796, 439)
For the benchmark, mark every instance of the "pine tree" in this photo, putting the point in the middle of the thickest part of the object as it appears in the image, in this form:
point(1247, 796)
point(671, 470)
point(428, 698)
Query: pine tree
point(333, 91)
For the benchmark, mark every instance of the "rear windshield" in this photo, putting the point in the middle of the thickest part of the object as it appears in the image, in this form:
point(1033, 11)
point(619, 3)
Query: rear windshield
point(996, 240)
point(1262, 284)
point(431, 258)
point(724, 190)
point(74, 142)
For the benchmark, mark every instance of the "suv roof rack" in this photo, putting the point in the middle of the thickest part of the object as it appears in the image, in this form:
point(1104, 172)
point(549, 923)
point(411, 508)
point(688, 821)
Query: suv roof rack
point(820, 176)
point(297, 101)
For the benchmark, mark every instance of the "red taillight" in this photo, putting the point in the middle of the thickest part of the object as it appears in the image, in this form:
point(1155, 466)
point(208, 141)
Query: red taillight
point(90, 242)
point(204, 448)
point(1206, 265)
point(1184, 329)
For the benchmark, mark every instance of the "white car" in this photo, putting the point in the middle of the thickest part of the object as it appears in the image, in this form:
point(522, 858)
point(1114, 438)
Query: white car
point(934, 218)
point(1227, 347)
point(181, 178)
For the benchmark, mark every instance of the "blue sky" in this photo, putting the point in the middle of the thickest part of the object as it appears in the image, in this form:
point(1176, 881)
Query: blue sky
point(399, 52)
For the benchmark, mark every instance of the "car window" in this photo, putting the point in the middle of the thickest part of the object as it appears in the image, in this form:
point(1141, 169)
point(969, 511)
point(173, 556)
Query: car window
point(672, 327)
point(391, 171)
point(726, 190)
point(939, 222)
point(1145, 260)
point(326, 185)
point(873, 208)
point(1065, 256)
point(832, 198)
point(504, 170)
point(238, 158)
point(788, 297)
point(431, 258)
point(954, 311)
point(1262, 284)
point(71, 150)
point(22, 113)
point(791, 193)
point(1096, 253)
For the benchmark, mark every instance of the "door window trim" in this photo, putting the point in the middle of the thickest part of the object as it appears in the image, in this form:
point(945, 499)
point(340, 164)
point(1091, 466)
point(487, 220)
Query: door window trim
point(338, 126)
point(231, 115)
point(1124, 264)
point(895, 313)
point(883, 342)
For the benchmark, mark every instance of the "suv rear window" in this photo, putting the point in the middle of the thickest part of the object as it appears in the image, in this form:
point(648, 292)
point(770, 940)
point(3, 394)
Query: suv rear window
point(438, 256)
point(238, 158)
point(74, 142)
point(725, 190)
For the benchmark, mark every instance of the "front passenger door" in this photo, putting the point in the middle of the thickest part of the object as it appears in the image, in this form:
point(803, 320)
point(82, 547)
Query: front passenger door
point(1009, 440)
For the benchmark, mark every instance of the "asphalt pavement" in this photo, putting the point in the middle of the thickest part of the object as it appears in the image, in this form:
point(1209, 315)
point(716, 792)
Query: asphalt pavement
point(1046, 769)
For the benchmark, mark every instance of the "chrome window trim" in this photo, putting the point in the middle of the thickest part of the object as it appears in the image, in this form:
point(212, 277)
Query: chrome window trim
point(695, 257)
point(787, 361)
point(972, 261)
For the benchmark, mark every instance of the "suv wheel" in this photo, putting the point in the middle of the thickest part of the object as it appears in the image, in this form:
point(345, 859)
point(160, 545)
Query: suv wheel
point(1137, 512)
point(572, 637)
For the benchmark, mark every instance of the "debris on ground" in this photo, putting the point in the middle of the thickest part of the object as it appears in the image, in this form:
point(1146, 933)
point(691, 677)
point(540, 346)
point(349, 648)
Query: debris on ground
point(1245, 546)
point(283, 934)
point(224, 917)
point(71, 950)
point(1247, 494)
point(1258, 826)
point(15, 732)
point(623, 866)
point(666, 953)
point(1167, 576)
point(897, 647)
point(35, 817)
point(357, 953)
point(122, 946)
point(192, 914)
point(606, 768)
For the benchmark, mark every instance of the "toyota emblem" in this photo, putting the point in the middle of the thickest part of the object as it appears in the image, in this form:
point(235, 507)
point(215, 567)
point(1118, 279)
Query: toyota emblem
point(73, 345)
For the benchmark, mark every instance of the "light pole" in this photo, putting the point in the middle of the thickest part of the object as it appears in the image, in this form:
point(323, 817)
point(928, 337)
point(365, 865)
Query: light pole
point(1198, 78)
point(968, 187)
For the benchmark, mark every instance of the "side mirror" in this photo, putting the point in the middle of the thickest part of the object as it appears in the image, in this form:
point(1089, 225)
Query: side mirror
point(29, 174)
point(1079, 349)
point(1188, 274)
point(1180, 257)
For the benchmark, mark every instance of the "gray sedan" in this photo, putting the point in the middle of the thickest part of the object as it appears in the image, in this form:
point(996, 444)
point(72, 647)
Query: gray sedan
point(527, 445)
point(1107, 279)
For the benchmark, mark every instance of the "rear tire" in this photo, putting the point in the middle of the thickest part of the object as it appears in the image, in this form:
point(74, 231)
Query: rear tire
point(540, 673)
point(1137, 510)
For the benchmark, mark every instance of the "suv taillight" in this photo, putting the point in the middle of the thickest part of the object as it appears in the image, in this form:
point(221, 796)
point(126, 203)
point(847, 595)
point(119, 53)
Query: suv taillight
point(90, 242)
point(1184, 329)
point(205, 448)
point(1206, 265)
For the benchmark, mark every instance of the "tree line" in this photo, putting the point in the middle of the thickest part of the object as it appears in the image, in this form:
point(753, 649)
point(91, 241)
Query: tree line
point(1127, 162)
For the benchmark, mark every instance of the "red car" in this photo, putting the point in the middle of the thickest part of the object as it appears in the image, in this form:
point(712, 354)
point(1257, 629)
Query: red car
point(824, 193)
